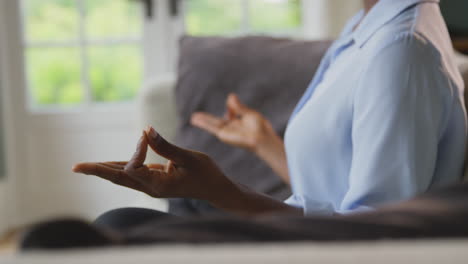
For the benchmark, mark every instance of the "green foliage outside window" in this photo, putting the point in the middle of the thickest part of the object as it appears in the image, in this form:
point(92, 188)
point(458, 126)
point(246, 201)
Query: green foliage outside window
point(214, 17)
point(114, 73)
point(51, 20)
point(61, 63)
point(55, 75)
point(113, 18)
point(275, 15)
point(56, 70)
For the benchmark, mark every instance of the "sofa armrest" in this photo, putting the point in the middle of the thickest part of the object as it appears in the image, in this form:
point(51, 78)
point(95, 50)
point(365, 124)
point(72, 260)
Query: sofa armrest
point(157, 108)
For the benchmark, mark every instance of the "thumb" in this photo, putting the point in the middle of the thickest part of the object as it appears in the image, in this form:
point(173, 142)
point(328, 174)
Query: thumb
point(167, 150)
point(235, 106)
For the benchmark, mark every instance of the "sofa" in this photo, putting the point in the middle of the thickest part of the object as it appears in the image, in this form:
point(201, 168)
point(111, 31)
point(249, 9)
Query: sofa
point(158, 108)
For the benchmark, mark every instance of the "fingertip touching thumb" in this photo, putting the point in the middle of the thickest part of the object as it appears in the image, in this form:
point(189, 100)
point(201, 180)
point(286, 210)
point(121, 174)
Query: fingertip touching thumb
point(164, 148)
point(139, 157)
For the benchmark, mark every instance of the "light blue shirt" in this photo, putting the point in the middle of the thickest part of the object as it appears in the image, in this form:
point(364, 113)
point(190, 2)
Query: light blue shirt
point(383, 118)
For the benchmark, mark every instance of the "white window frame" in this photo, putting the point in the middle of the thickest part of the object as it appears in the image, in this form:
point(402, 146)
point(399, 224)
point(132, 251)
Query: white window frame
point(82, 43)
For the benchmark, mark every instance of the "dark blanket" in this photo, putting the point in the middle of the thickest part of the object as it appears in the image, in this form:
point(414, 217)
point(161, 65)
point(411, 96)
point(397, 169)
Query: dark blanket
point(438, 214)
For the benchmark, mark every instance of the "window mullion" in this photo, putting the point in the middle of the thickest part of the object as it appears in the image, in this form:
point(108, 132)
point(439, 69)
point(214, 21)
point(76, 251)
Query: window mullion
point(85, 80)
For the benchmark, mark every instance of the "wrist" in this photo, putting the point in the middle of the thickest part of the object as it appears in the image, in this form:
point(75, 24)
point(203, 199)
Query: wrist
point(267, 144)
point(227, 196)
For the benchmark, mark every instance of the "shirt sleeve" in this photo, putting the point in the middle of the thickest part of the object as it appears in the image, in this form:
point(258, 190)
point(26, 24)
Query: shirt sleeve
point(310, 206)
point(399, 109)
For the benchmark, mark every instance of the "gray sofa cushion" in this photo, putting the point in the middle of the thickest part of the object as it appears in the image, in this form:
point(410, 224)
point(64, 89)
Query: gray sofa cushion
point(268, 74)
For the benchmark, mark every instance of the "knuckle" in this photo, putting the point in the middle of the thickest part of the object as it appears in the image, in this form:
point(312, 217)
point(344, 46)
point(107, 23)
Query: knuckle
point(135, 173)
point(129, 170)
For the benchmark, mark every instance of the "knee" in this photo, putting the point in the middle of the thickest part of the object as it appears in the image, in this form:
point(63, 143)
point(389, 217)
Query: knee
point(64, 234)
point(124, 218)
point(114, 214)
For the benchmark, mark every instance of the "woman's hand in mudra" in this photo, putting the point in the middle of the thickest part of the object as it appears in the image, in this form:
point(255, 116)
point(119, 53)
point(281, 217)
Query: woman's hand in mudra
point(187, 173)
point(246, 128)
point(241, 126)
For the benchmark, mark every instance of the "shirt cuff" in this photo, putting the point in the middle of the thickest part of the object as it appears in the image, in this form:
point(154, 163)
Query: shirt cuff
point(310, 206)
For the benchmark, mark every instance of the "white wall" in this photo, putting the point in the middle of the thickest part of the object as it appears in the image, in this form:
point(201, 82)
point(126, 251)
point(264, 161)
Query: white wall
point(324, 19)
point(339, 12)
point(4, 216)
point(4, 220)
point(51, 189)
point(3, 174)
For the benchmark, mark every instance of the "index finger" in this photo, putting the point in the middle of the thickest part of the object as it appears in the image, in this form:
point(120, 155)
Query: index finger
point(166, 149)
point(97, 169)
point(139, 156)
point(115, 176)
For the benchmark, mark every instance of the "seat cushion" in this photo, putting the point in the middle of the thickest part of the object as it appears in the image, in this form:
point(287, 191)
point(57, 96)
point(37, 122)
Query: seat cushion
point(268, 74)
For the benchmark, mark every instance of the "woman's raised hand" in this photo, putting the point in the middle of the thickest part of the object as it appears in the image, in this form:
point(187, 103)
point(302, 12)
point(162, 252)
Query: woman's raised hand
point(187, 174)
point(246, 128)
point(241, 126)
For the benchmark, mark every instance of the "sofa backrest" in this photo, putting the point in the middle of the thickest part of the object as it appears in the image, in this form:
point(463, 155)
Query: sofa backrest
point(268, 74)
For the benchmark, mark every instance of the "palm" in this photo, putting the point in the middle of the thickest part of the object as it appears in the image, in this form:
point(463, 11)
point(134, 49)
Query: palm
point(240, 127)
point(241, 131)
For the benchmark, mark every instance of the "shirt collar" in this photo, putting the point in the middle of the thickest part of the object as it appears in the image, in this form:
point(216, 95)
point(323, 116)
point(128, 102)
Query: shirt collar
point(379, 15)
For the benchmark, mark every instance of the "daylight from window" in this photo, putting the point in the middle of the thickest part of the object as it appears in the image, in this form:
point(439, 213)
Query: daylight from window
point(227, 17)
point(82, 51)
point(90, 51)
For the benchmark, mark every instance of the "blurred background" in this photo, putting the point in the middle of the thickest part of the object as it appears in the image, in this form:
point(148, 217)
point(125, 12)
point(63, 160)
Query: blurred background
point(101, 41)
point(71, 71)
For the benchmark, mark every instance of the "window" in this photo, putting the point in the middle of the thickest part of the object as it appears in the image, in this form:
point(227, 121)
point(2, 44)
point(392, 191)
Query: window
point(81, 52)
point(231, 17)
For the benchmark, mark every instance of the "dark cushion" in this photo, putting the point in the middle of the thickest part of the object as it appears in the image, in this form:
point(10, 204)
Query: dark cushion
point(268, 74)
